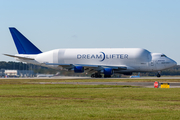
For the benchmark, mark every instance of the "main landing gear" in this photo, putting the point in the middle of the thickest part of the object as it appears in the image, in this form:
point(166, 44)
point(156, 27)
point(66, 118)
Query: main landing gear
point(107, 76)
point(96, 75)
point(159, 74)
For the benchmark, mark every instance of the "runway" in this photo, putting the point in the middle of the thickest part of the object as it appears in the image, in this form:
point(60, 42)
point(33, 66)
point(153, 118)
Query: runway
point(71, 77)
point(75, 77)
point(147, 82)
point(141, 84)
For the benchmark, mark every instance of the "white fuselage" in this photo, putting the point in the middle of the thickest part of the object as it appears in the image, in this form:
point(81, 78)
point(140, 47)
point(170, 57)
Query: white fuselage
point(135, 59)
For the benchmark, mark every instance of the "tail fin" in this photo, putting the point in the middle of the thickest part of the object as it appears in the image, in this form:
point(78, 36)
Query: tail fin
point(23, 45)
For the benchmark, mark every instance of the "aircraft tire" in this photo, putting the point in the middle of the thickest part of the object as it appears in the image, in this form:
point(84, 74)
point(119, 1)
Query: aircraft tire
point(92, 75)
point(107, 76)
point(158, 75)
point(97, 75)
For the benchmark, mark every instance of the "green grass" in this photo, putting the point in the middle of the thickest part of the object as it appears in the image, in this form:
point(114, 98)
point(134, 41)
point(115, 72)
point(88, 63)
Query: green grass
point(107, 102)
point(19, 100)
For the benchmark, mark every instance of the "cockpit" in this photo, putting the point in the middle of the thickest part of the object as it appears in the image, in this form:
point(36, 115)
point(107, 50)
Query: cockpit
point(163, 55)
point(161, 61)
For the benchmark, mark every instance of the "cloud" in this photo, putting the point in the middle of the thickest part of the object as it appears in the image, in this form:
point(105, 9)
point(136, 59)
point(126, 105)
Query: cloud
point(74, 36)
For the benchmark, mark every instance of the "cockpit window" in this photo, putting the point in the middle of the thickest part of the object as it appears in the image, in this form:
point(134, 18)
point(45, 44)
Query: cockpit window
point(163, 56)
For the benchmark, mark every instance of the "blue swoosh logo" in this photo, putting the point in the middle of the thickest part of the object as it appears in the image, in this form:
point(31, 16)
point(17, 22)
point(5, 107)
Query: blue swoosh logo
point(103, 56)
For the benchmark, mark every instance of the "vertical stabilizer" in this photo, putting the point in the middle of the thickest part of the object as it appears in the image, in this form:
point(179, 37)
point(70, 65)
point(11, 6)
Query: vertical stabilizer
point(23, 45)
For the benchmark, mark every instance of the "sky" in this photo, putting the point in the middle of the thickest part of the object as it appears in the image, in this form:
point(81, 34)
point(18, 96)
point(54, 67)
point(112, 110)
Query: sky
point(53, 24)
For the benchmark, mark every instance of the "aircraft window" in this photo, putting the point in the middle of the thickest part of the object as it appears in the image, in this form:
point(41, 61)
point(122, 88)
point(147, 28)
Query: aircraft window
point(163, 56)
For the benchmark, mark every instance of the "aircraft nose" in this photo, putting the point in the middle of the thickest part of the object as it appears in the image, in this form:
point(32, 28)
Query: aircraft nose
point(174, 63)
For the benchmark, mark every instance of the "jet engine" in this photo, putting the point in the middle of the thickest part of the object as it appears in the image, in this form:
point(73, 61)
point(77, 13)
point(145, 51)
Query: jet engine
point(108, 71)
point(78, 69)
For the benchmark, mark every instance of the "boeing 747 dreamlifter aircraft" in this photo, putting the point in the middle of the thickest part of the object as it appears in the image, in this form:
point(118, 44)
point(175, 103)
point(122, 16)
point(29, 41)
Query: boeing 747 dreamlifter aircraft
point(93, 61)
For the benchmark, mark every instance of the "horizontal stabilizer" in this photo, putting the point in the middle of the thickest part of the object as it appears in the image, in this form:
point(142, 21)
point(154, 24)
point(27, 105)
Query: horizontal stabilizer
point(25, 58)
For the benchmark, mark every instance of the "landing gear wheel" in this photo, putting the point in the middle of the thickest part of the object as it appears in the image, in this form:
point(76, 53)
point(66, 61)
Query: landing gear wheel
point(107, 76)
point(92, 75)
point(96, 75)
point(158, 75)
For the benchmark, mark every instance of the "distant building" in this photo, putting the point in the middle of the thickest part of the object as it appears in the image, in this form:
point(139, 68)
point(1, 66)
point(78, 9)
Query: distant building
point(45, 75)
point(19, 73)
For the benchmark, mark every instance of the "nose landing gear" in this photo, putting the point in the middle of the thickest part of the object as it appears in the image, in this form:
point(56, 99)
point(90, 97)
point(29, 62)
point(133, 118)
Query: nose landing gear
point(159, 74)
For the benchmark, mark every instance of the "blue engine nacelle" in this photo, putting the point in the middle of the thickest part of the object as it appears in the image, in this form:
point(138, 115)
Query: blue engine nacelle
point(108, 71)
point(78, 69)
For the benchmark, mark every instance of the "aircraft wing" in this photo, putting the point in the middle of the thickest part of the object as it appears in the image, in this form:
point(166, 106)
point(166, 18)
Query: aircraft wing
point(25, 58)
point(88, 68)
point(94, 68)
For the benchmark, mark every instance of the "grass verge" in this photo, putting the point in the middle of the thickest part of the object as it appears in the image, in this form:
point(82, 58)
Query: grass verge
point(27, 101)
